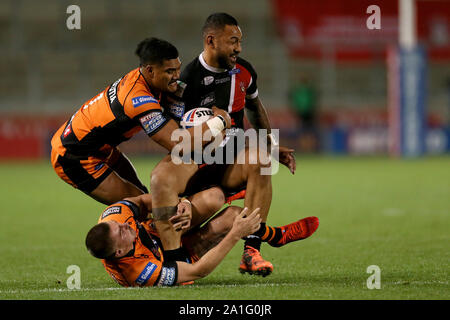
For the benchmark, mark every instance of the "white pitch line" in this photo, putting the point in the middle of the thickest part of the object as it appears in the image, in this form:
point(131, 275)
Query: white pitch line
point(55, 290)
point(61, 290)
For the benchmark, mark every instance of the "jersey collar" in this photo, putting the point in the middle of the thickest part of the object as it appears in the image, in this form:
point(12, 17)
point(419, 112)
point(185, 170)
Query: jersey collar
point(208, 67)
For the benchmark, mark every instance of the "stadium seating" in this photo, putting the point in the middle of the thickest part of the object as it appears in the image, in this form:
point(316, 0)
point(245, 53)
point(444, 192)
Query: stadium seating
point(39, 51)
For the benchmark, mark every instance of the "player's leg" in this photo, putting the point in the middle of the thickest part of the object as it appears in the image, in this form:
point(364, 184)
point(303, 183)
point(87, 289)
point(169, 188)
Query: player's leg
point(168, 180)
point(205, 204)
point(113, 188)
point(199, 241)
point(95, 178)
point(258, 186)
point(125, 169)
point(299, 230)
point(248, 175)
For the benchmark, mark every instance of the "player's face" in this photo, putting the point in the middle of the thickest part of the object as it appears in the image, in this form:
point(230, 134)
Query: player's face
point(123, 236)
point(228, 46)
point(165, 76)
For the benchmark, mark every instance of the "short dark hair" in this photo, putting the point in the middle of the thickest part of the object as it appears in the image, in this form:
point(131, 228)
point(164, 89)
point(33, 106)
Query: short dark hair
point(99, 242)
point(155, 51)
point(218, 21)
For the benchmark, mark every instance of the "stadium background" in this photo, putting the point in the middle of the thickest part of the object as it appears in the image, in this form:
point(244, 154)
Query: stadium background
point(48, 71)
point(374, 209)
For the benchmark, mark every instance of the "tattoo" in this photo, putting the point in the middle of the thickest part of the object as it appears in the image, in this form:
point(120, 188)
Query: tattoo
point(202, 248)
point(164, 213)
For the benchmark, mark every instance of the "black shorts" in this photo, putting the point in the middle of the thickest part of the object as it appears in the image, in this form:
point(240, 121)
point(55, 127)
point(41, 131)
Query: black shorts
point(84, 174)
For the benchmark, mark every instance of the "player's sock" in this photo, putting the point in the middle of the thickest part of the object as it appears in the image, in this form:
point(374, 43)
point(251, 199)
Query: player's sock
point(299, 230)
point(254, 240)
point(272, 235)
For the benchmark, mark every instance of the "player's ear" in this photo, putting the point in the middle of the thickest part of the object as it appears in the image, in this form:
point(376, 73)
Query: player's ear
point(210, 40)
point(150, 70)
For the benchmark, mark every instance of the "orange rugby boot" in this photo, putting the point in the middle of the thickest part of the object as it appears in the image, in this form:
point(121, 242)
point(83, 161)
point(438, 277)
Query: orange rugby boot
point(253, 263)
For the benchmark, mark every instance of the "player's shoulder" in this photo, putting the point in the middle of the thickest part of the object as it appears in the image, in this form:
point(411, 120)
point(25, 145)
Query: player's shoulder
point(194, 64)
point(141, 270)
point(128, 83)
point(241, 62)
point(191, 70)
point(119, 211)
point(136, 96)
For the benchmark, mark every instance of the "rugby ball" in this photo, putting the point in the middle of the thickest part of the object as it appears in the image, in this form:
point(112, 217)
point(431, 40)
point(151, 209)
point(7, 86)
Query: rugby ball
point(196, 117)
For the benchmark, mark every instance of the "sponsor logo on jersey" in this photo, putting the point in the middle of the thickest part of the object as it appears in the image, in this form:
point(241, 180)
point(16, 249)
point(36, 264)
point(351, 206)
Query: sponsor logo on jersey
point(177, 109)
point(152, 122)
point(207, 80)
point(146, 274)
point(112, 91)
point(234, 71)
point(222, 80)
point(167, 277)
point(207, 100)
point(139, 101)
point(111, 210)
point(242, 86)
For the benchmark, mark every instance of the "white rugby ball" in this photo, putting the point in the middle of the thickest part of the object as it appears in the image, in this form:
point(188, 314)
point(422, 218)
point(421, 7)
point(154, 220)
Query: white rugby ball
point(195, 117)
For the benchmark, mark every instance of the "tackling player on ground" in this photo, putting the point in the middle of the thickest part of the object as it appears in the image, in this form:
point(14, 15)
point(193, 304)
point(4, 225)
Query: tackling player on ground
point(129, 246)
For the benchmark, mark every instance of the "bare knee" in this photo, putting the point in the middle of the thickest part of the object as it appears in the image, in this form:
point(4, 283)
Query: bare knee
point(214, 199)
point(162, 181)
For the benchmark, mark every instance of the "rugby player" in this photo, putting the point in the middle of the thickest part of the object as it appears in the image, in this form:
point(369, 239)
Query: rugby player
point(219, 77)
point(129, 246)
point(84, 149)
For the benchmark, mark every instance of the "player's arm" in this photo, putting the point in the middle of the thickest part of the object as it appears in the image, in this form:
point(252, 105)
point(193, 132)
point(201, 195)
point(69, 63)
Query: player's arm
point(144, 202)
point(257, 114)
point(160, 126)
point(243, 225)
point(259, 119)
point(217, 124)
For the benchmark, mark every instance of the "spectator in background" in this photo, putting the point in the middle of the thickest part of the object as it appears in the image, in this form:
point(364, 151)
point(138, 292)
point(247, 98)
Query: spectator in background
point(303, 100)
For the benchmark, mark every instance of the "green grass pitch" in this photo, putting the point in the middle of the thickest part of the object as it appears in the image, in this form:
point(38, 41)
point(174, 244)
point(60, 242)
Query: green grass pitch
point(373, 211)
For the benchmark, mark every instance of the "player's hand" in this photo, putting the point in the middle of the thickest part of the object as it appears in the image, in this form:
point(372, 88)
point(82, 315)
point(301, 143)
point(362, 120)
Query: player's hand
point(224, 114)
point(182, 220)
point(286, 157)
point(245, 223)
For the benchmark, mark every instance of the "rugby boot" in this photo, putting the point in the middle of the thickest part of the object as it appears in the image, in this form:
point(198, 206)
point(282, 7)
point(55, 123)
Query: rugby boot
point(253, 263)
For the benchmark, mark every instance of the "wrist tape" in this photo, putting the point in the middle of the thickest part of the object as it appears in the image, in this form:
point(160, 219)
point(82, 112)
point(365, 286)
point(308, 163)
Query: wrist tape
point(216, 125)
